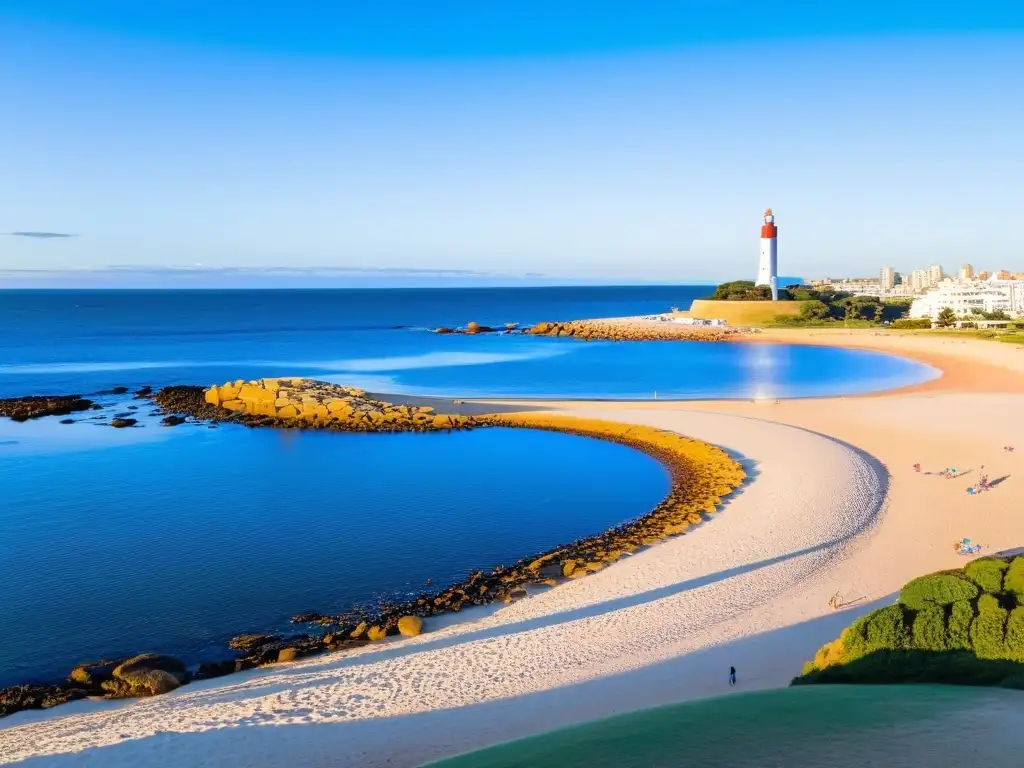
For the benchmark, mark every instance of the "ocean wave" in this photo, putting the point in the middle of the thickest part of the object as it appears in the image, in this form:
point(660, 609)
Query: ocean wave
point(433, 360)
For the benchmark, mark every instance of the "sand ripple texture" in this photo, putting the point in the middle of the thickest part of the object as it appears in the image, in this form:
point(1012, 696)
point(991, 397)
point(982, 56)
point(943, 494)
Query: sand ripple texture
point(642, 632)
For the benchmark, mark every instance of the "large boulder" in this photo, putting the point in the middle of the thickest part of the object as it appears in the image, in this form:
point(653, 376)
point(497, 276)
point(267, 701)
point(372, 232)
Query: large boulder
point(94, 674)
point(148, 674)
point(410, 626)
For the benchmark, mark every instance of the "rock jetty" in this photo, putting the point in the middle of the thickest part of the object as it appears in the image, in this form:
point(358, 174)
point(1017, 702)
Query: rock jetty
point(474, 328)
point(628, 330)
point(297, 402)
point(702, 475)
point(37, 406)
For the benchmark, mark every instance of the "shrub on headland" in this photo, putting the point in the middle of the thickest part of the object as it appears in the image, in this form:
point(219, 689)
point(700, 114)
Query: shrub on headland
point(937, 589)
point(964, 626)
point(912, 324)
point(987, 573)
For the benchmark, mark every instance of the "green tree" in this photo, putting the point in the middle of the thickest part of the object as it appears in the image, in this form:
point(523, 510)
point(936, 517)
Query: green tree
point(879, 312)
point(946, 317)
point(814, 310)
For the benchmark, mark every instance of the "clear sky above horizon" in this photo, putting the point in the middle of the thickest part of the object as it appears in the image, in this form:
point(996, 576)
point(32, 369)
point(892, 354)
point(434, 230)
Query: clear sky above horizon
point(602, 141)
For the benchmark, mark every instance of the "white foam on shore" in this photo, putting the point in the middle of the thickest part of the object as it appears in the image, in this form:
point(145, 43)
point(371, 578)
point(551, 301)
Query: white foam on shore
point(584, 649)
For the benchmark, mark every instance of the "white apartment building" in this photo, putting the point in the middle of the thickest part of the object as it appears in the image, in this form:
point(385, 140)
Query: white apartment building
point(963, 296)
point(887, 278)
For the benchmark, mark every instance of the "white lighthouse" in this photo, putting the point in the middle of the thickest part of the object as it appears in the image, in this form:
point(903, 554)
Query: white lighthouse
point(768, 267)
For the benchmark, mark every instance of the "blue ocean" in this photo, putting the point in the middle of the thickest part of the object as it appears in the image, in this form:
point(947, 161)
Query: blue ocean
point(172, 540)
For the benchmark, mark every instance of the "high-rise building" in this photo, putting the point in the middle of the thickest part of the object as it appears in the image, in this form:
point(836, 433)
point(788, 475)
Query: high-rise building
point(768, 267)
point(1004, 274)
point(887, 278)
point(966, 272)
point(918, 280)
point(982, 276)
point(934, 275)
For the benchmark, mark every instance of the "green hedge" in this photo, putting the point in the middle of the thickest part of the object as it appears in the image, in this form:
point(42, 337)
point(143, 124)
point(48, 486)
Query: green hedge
point(988, 628)
point(887, 629)
point(987, 573)
point(937, 589)
point(964, 626)
point(1013, 581)
point(917, 323)
point(929, 630)
point(958, 627)
point(1013, 645)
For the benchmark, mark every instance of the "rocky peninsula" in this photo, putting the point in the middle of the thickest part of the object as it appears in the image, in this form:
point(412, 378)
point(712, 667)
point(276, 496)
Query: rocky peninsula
point(303, 403)
point(634, 329)
point(701, 476)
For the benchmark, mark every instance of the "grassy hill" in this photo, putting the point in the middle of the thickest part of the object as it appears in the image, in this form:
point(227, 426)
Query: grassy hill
point(837, 726)
point(745, 312)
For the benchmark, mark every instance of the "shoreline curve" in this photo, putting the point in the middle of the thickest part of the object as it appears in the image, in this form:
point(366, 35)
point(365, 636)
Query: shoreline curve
point(529, 663)
point(700, 476)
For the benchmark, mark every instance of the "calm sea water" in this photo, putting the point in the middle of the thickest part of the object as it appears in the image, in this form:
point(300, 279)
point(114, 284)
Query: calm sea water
point(84, 341)
point(172, 540)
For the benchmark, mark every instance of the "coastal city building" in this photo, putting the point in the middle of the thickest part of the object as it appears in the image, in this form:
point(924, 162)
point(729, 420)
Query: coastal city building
point(932, 290)
point(969, 298)
point(887, 279)
point(768, 266)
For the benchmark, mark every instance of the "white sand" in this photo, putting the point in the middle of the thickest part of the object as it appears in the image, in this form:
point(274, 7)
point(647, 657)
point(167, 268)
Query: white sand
point(749, 589)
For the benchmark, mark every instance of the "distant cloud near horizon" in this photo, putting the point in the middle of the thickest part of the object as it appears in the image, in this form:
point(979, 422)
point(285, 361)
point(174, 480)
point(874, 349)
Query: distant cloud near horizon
point(41, 235)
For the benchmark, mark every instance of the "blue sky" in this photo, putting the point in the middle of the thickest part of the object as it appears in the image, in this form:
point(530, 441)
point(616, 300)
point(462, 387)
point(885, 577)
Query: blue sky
point(588, 141)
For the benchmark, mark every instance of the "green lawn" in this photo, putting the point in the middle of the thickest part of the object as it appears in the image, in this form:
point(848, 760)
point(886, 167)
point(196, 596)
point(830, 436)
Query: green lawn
point(837, 726)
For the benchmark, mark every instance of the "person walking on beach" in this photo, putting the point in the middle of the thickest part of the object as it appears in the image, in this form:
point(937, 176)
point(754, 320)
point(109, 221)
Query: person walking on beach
point(732, 675)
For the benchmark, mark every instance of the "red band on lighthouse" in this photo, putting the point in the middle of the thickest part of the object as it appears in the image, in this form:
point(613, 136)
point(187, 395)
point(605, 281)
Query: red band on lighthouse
point(769, 230)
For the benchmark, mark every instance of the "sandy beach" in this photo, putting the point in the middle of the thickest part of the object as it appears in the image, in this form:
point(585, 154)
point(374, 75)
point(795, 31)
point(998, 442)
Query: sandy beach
point(832, 505)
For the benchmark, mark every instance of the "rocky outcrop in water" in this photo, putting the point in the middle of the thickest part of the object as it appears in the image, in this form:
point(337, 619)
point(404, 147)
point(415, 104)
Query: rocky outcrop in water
point(473, 329)
point(307, 403)
point(20, 697)
point(147, 674)
point(37, 406)
point(612, 330)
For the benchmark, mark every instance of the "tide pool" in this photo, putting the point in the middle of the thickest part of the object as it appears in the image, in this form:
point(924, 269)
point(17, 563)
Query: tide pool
point(173, 540)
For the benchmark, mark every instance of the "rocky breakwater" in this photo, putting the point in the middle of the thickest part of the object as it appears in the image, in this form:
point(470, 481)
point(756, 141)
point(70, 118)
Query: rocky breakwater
point(474, 328)
point(628, 330)
point(304, 403)
point(702, 475)
point(147, 674)
point(37, 406)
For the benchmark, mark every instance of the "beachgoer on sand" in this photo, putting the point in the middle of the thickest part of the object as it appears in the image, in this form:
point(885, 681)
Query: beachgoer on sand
point(917, 467)
point(732, 675)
